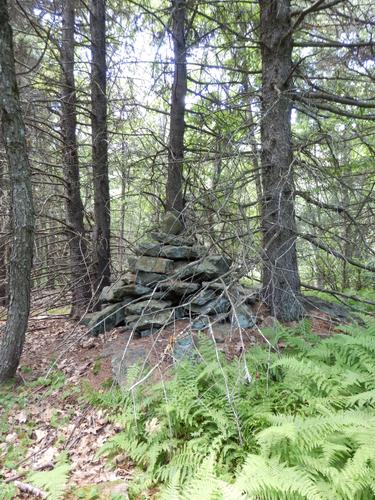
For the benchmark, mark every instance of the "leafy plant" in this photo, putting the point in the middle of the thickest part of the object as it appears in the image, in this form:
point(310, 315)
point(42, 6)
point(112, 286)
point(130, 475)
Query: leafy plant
point(304, 427)
point(53, 481)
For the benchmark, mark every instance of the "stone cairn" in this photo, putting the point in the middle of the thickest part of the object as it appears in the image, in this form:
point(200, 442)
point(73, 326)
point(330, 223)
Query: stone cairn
point(173, 278)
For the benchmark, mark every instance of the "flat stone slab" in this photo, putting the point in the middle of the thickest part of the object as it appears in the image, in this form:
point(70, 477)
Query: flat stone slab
point(336, 311)
point(156, 320)
point(218, 306)
point(151, 305)
point(179, 287)
point(152, 264)
point(118, 291)
point(105, 320)
point(210, 267)
point(182, 252)
point(174, 240)
point(149, 279)
point(203, 297)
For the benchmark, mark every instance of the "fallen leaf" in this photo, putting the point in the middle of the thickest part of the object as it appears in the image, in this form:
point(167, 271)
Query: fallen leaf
point(21, 417)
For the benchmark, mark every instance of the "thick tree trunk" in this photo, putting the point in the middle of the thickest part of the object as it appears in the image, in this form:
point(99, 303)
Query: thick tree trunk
point(174, 191)
point(14, 137)
point(281, 284)
point(100, 145)
point(81, 289)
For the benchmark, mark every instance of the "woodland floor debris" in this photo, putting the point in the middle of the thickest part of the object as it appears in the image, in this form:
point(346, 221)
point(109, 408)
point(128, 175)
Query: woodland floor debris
point(50, 417)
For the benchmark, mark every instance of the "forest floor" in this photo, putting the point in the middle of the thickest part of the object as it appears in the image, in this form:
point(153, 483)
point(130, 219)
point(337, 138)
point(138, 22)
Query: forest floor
point(46, 413)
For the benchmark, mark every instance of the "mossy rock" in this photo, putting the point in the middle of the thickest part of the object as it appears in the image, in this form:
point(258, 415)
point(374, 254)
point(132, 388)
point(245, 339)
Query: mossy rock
point(108, 490)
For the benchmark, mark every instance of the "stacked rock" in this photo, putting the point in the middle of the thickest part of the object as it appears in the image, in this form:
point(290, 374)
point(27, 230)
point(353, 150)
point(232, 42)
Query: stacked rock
point(172, 278)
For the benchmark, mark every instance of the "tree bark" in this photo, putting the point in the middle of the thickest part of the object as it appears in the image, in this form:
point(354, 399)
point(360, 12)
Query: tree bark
point(81, 289)
point(281, 284)
point(174, 190)
point(3, 238)
point(14, 136)
point(100, 145)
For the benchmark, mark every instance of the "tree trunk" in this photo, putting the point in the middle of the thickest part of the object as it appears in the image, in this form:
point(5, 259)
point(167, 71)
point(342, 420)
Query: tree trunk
point(281, 284)
point(14, 136)
point(174, 191)
point(3, 237)
point(81, 289)
point(100, 145)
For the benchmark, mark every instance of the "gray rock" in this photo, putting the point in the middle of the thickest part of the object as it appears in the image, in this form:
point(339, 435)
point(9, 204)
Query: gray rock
point(203, 297)
point(123, 361)
point(210, 267)
point(152, 264)
point(200, 323)
point(128, 278)
point(116, 292)
point(222, 331)
point(179, 312)
point(171, 252)
point(336, 311)
point(148, 332)
point(218, 306)
point(156, 320)
point(184, 348)
point(218, 285)
point(242, 317)
point(144, 278)
point(199, 251)
point(150, 305)
point(249, 295)
point(170, 239)
point(171, 223)
point(106, 319)
point(179, 287)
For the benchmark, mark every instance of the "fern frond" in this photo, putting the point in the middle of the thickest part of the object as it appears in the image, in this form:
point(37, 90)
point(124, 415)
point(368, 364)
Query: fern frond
point(53, 481)
point(268, 478)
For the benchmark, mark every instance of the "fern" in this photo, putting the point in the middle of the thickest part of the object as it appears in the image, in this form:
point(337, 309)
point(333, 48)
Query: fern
point(53, 481)
point(303, 429)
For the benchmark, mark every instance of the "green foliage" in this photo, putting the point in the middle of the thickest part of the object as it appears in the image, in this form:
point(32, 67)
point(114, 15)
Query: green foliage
point(53, 481)
point(304, 427)
point(8, 491)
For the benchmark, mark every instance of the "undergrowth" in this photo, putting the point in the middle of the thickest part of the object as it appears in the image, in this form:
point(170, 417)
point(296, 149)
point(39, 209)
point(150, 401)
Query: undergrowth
point(302, 428)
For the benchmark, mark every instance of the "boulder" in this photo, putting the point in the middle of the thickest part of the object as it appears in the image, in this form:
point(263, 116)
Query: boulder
point(210, 267)
point(106, 319)
point(171, 223)
point(184, 348)
point(152, 264)
point(123, 361)
point(222, 331)
point(146, 306)
point(242, 317)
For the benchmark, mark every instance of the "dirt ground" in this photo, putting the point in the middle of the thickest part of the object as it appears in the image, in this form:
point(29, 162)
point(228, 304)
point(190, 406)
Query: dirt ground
point(61, 420)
